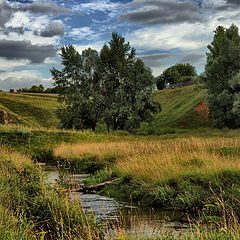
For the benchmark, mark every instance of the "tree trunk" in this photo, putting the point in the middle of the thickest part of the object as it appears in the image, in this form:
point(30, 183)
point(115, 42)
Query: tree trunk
point(90, 188)
point(114, 123)
point(93, 127)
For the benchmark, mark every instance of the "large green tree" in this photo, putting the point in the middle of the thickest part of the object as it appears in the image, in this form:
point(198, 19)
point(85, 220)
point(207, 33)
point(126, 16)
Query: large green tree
point(114, 87)
point(223, 65)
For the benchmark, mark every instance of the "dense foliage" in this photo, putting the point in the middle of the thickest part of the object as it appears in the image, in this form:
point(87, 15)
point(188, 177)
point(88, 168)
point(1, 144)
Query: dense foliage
point(222, 77)
point(181, 72)
point(111, 87)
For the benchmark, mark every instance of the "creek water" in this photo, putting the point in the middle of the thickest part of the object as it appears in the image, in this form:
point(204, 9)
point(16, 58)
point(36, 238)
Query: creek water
point(130, 218)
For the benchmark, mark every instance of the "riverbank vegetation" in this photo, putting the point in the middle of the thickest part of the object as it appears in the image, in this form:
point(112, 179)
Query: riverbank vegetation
point(29, 209)
point(181, 174)
point(194, 171)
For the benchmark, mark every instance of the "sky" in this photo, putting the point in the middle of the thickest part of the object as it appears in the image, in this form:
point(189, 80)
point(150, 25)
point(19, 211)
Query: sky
point(163, 32)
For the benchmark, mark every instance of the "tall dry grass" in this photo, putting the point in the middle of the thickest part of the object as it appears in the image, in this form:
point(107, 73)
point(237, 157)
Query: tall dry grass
point(151, 161)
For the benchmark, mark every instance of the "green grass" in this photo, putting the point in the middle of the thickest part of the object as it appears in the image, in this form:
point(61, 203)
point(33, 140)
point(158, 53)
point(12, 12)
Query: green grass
point(40, 143)
point(177, 111)
point(177, 105)
point(31, 109)
point(29, 209)
point(196, 234)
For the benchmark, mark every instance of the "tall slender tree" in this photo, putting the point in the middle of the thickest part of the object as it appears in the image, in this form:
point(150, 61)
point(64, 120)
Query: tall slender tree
point(126, 84)
point(223, 64)
point(78, 86)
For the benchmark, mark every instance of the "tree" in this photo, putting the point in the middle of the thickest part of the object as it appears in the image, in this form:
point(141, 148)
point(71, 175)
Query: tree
point(185, 69)
point(223, 65)
point(161, 82)
point(180, 72)
point(80, 103)
point(114, 87)
point(126, 86)
point(52, 90)
point(33, 89)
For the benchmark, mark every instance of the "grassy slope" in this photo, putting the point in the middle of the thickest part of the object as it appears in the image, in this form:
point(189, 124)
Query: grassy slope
point(177, 109)
point(31, 109)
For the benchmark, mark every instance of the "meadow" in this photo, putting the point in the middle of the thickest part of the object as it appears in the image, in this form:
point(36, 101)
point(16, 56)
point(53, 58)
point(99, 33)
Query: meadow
point(196, 174)
point(182, 173)
point(163, 164)
point(178, 110)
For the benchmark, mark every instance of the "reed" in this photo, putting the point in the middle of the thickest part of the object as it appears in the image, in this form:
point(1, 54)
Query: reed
point(159, 160)
point(29, 209)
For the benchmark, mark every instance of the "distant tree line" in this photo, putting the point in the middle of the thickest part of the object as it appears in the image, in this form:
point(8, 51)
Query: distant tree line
point(36, 89)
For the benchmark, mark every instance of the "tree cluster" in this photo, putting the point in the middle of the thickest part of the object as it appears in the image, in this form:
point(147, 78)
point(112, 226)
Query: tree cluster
point(112, 87)
point(32, 89)
point(181, 72)
point(36, 89)
point(223, 77)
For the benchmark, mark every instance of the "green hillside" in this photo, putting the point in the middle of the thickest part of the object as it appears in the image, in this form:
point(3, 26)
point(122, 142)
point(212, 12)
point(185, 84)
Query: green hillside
point(181, 108)
point(29, 109)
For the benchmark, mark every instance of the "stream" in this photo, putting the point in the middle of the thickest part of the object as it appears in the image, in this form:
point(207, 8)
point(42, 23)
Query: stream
point(137, 220)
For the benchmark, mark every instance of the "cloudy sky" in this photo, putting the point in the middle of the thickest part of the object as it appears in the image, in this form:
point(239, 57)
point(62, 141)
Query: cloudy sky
point(164, 32)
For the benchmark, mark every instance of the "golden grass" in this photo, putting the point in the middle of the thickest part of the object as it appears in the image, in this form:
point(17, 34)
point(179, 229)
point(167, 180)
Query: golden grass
point(152, 161)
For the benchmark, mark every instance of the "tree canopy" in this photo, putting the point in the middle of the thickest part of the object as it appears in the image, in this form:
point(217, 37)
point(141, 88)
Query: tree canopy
point(80, 106)
point(180, 72)
point(112, 87)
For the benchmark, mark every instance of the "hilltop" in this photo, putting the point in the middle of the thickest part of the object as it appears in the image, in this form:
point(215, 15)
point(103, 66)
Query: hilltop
point(181, 108)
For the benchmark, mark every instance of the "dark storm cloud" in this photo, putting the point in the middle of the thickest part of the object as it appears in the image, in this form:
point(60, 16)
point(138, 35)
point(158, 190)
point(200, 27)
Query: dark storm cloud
point(53, 29)
point(6, 12)
point(23, 82)
point(151, 12)
point(154, 60)
point(237, 2)
point(25, 50)
point(44, 8)
point(230, 4)
point(193, 58)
